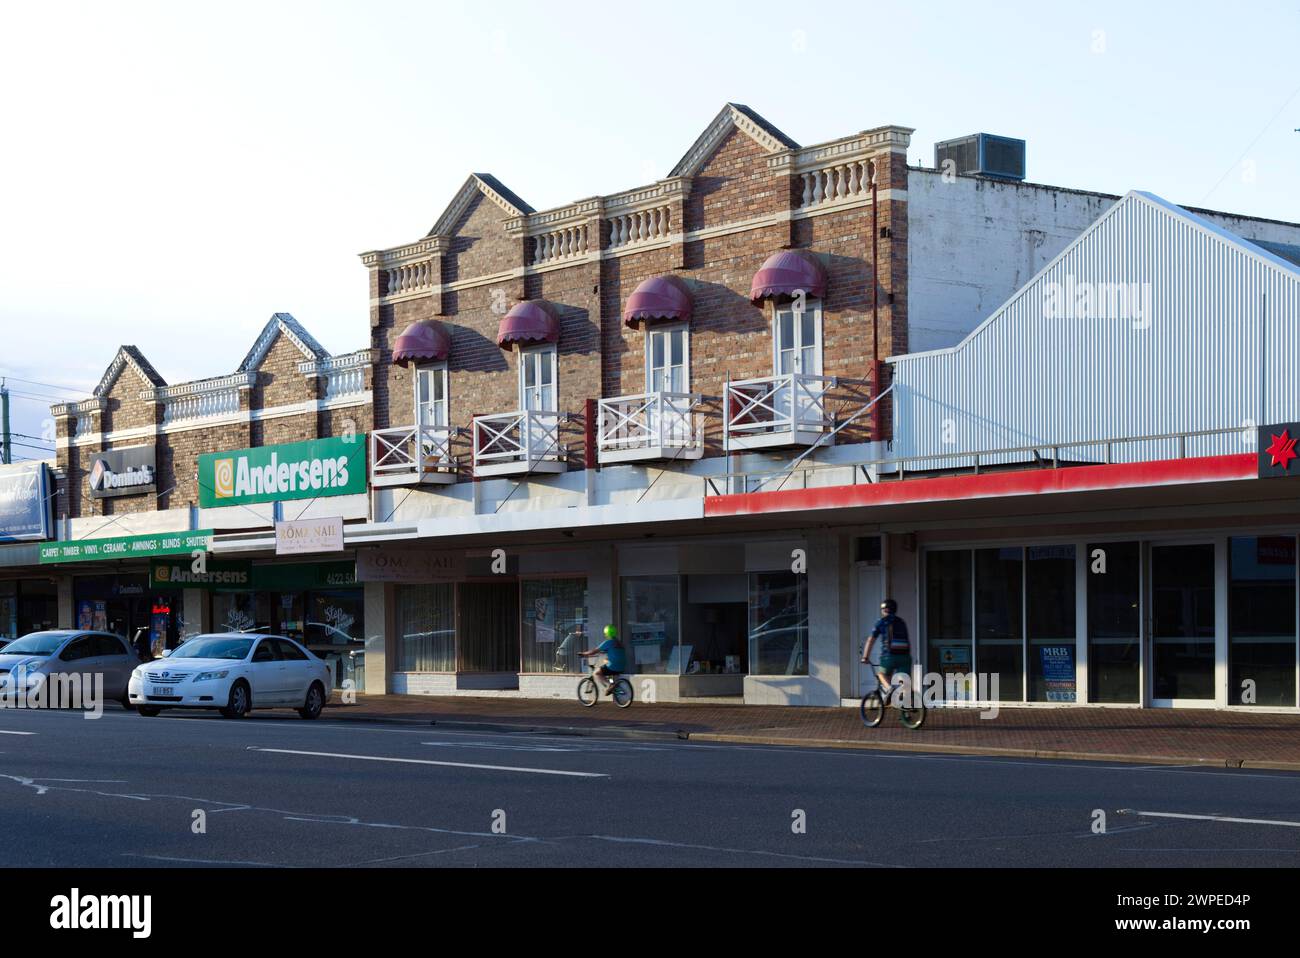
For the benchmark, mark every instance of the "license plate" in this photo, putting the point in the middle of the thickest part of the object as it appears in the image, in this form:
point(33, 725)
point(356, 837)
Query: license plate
point(164, 690)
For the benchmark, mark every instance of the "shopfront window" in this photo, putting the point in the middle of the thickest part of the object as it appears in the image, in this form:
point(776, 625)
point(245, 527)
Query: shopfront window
point(948, 613)
point(652, 625)
point(1114, 621)
point(999, 630)
point(335, 633)
point(1262, 621)
point(555, 626)
point(778, 623)
point(38, 605)
point(1050, 627)
point(241, 612)
point(8, 610)
point(426, 628)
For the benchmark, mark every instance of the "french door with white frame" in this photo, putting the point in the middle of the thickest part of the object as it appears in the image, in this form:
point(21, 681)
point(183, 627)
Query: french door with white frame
point(537, 393)
point(797, 344)
point(668, 368)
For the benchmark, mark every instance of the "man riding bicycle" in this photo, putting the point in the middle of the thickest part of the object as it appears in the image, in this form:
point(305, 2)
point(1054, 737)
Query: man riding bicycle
point(615, 658)
point(896, 652)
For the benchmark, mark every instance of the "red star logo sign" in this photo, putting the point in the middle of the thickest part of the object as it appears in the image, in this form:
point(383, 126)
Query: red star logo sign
point(1283, 450)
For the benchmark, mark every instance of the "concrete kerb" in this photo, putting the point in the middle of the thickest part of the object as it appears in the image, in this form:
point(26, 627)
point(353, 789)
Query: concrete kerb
point(666, 735)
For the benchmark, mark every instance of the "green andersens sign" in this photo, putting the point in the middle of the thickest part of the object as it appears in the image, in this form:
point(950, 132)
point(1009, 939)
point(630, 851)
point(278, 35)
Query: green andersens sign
point(298, 470)
point(185, 572)
point(127, 547)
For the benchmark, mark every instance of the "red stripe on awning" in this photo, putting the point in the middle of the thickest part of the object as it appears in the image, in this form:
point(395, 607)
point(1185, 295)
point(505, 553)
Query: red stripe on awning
point(990, 485)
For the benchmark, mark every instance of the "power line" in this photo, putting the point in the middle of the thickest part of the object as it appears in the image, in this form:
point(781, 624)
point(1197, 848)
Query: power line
point(35, 382)
point(28, 445)
point(1246, 153)
point(37, 397)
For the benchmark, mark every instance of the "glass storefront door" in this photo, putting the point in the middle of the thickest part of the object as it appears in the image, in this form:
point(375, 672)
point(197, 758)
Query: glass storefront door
point(1182, 623)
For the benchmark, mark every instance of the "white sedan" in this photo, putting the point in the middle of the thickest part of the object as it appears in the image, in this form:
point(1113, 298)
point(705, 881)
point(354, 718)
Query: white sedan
point(233, 673)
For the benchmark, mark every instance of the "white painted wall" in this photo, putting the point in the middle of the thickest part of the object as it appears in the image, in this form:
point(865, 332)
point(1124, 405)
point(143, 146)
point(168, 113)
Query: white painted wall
point(973, 242)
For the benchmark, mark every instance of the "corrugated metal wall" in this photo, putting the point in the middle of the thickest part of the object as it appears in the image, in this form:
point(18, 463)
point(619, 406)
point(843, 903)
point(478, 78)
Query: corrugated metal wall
point(1207, 317)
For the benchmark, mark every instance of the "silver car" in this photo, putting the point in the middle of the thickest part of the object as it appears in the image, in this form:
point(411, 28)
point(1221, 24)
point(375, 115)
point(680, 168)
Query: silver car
point(28, 662)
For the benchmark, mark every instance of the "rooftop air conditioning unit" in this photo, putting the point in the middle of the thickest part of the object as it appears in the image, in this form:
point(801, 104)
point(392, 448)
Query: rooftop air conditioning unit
point(983, 154)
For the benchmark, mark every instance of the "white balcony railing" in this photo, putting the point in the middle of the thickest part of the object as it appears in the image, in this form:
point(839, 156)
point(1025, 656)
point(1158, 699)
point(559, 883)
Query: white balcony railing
point(650, 426)
point(518, 442)
point(788, 409)
point(411, 454)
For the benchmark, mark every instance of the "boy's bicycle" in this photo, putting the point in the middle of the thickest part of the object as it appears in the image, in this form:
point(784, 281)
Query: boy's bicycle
point(899, 693)
point(620, 690)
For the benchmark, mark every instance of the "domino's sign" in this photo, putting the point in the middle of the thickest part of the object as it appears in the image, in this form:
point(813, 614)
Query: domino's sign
point(132, 471)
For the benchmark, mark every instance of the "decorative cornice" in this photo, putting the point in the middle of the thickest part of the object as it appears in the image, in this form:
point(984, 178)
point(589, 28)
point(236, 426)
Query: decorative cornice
point(92, 405)
point(362, 357)
point(869, 142)
point(199, 387)
point(547, 220)
point(415, 252)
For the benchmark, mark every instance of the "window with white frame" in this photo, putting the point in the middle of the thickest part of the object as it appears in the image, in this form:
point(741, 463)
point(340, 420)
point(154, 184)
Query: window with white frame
point(537, 379)
point(431, 396)
point(797, 339)
point(668, 363)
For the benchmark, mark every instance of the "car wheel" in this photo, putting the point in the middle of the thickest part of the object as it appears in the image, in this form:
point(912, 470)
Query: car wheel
point(239, 703)
point(148, 711)
point(311, 709)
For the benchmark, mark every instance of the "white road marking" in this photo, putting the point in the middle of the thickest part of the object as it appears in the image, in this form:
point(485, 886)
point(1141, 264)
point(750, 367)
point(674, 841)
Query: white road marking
point(425, 761)
point(504, 748)
point(7, 732)
point(204, 861)
point(1209, 818)
point(621, 840)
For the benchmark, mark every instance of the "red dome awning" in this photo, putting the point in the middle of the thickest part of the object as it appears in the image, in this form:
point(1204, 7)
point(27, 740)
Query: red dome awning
point(660, 297)
point(422, 342)
point(530, 322)
point(787, 273)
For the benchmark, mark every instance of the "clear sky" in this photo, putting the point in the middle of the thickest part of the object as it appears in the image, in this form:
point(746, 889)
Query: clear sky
point(171, 174)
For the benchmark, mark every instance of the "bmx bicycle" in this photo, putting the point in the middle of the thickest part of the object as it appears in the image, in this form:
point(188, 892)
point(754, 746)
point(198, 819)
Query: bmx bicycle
point(900, 693)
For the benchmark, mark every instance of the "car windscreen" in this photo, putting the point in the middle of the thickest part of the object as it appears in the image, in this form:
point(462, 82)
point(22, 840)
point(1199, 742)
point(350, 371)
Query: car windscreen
point(36, 643)
point(213, 649)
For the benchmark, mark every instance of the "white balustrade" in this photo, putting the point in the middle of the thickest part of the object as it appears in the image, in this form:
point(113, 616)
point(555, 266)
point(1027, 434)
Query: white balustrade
point(652, 422)
point(564, 243)
point(519, 441)
point(777, 404)
point(643, 226)
point(344, 382)
point(200, 405)
point(413, 451)
point(839, 181)
point(410, 278)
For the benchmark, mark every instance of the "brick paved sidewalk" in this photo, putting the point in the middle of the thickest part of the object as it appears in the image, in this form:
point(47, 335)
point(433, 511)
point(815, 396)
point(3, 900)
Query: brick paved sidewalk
point(1153, 735)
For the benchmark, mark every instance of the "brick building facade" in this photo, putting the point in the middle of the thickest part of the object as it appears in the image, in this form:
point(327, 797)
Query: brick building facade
point(287, 389)
point(743, 192)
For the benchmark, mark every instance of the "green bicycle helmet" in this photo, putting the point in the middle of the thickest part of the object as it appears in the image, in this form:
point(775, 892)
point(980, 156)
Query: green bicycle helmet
point(611, 632)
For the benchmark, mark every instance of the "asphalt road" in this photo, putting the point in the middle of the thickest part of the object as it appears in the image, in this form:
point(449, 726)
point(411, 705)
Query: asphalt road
point(277, 791)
